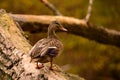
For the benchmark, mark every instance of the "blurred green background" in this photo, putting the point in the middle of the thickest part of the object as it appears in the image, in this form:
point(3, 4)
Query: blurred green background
point(86, 58)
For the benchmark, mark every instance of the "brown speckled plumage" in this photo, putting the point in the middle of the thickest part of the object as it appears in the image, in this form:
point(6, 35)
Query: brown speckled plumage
point(46, 49)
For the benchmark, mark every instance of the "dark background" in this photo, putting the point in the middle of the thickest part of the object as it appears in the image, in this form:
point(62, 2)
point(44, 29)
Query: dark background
point(81, 56)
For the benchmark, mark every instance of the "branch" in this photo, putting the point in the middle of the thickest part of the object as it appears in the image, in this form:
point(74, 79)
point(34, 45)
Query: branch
point(51, 7)
point(14, 58)
point(89, 10)
point(74, 26)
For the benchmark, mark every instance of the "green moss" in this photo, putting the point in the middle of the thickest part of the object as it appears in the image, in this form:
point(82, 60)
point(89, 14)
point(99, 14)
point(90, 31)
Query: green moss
point(4, 76)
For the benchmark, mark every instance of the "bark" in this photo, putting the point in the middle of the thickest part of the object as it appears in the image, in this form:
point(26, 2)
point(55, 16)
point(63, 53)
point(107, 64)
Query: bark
point(14, 59)
point(34, 23)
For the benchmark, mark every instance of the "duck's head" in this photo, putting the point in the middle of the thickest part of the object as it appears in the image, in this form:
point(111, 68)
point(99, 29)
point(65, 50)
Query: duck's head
point(55, 25)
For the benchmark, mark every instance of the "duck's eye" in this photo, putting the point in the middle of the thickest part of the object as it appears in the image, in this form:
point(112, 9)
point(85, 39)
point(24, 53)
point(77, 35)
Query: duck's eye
point(58, 26)
point(57, 23)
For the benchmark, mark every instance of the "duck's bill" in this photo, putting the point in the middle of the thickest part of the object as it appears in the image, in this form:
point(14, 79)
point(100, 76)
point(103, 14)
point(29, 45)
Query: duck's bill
point(63, 29)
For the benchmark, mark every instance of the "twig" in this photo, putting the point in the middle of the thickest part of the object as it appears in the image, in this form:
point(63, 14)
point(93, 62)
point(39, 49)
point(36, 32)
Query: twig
point(51, 7)
point(89, 10)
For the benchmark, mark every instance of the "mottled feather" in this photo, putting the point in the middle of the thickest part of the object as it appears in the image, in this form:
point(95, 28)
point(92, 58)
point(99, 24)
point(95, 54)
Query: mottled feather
point(45, 49)
point(41, 47)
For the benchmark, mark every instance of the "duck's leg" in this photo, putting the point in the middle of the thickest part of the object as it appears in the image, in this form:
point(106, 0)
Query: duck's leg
point(39, 65)
point(51, 63)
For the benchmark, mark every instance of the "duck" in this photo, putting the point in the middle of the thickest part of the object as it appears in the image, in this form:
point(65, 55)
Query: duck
point(46, 49)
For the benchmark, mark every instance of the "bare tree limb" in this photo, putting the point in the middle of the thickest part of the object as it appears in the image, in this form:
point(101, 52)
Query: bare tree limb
point(51, 7)
point(89, 10)
point(74, 26)
point(14, 58)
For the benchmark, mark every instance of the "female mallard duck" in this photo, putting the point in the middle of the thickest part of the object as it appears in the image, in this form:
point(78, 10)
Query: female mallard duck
point(46, 49)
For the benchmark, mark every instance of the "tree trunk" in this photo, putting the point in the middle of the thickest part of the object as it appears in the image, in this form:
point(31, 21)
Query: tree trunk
point(14, 59)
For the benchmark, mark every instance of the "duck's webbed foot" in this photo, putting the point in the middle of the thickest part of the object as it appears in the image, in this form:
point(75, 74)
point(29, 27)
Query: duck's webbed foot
point(50, 68)
point(39, 65)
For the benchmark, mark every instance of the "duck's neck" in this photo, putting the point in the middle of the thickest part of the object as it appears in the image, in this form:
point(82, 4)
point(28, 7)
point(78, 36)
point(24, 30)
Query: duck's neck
point(51, 33)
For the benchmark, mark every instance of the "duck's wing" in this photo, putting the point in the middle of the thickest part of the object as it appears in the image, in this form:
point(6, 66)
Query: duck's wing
point(39, 48)
point(54, 46)
point(45, 45)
